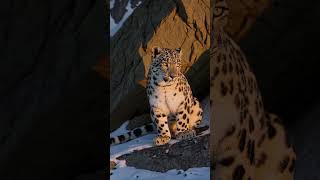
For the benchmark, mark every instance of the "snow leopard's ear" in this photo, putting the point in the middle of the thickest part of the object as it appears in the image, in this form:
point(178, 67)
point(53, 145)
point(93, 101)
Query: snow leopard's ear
point(156, 51)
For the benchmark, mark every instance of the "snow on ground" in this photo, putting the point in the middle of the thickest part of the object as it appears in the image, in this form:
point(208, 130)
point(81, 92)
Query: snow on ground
point(126, 173)
point(114, 27)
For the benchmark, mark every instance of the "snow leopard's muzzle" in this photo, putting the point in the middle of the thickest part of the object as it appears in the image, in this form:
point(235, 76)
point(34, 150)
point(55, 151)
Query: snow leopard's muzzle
point(171, 73)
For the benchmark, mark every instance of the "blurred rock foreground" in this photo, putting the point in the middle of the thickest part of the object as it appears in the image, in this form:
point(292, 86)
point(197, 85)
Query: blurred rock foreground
point(52, 106)
point(173, 24)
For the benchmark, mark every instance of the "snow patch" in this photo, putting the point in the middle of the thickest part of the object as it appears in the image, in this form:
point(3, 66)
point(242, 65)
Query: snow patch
point(121, 130)
point(114, 27)
point(122, 172)
point(130, 146)
point(128, 173)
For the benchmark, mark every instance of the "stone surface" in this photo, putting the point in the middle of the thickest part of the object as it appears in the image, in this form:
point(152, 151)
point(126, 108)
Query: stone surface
point(120, 8)
point(139, 121)
point(182, 23)
point(181, 155)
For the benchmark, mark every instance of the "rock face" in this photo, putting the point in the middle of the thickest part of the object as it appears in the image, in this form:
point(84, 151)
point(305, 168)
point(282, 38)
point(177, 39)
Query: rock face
point(118, 10)
point(184, 24)
point(138, 121)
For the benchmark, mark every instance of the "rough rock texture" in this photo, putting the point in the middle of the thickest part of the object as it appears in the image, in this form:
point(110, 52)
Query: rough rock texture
point(138, 121)
point(176, 23)
point(119, 8)
point(181, 155)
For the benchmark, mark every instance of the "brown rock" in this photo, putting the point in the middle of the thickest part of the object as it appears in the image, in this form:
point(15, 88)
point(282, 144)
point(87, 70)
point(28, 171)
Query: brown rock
point(183, 23)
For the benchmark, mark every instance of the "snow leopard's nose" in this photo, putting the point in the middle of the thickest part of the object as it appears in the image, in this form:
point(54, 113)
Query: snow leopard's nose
point(173, 72)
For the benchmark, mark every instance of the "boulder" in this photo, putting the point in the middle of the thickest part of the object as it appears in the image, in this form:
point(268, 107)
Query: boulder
point(183, 155)
point(181, 23)
point(139, 121)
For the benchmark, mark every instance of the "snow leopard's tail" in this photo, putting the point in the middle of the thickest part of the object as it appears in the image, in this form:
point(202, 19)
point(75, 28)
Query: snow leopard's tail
point(133, 134)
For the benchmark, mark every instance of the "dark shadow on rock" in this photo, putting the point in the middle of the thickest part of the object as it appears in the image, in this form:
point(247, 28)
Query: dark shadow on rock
point(284, 59)
point(199, 76)
point(53, 104)
point(121, 62)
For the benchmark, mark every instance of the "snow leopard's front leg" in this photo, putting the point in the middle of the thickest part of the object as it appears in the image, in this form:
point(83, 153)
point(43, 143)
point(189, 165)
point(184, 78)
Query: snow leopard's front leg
point(161, 120)
point(183, 128)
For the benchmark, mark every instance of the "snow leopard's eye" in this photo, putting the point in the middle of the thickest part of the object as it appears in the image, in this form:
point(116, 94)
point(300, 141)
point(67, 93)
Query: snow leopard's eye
point(219, 11)
point(164, 65)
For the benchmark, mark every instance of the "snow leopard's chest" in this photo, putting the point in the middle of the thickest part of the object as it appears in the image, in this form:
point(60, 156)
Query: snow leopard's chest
point(168, 98)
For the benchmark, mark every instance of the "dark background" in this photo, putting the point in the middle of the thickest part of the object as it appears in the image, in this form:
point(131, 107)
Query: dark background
point(52, 104)
point(283, 50)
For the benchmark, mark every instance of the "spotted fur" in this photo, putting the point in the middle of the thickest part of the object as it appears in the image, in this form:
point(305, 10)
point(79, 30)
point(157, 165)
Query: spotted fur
point(249, 142)
point(133, 134)
point(173, 108)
